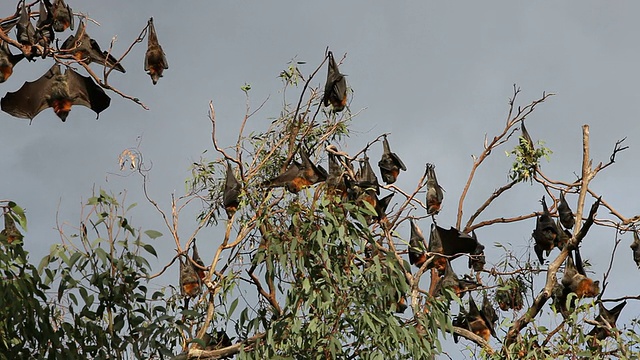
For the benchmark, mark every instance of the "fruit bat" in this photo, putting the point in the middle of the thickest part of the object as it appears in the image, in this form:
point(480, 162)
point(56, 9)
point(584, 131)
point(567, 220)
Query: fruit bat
point(335, 89)
point(56, 90)
point(489, 314)
point(335, 181)
point(189, 280)
point(366, 178)
point(450, 280)
point(477, 259)
point(10, 232)
point(390, 164)
point(198, 260)
point(417, 253)
point(381, 206)
point(575, 280)
point(451, 243)
point(567, 219)
point(26, 33)
point(155, 61)
point(545, 232)
point(526, 138)
point(563, 236)
point(608, 320)
point(635, 247)
point(231, 193)
point(434, 191)
point(560, 295)
point(298, 176)
point(62, 15)
point(7, 61)
point(476, 321)
point(44, 29)
point(86, 50)
point(216, 340)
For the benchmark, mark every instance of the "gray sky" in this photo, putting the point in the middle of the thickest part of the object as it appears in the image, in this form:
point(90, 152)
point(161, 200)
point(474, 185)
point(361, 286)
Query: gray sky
point(436, 75)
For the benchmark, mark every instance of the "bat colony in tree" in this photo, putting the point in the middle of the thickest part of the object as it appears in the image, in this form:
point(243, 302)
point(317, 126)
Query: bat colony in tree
point(444, 245)
point(55, 89)
point(61, 90)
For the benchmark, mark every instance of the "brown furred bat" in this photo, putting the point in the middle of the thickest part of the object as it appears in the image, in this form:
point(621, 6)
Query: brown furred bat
point(575, 280)
point(231, 193)
point(155, 61)
point(298, 176)
point(86, 50)
point(635, 247)
point(56, 90)
point(390, 164)
point(7, 61)
point(434, 191)
point(567, 219)
point(417, 253)
point(545, 233)
point(62, 15)
point(189, 279)
point(476, 321)
point(335, 89)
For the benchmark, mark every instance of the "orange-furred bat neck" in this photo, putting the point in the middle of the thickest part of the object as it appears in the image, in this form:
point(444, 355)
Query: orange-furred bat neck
point(62, 107)
point(6, 71)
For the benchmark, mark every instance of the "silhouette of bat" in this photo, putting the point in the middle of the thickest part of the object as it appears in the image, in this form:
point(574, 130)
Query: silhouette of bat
point(231, 193)
point(545, 233)
point(62, 15)
point(56, 90)
point(7, 61)
point(189, 279)
point(417, 253)
point(335, 89)
point(635, 248)
point(567, 219)
point(489, 314)
point(451, 243)
point(434, 191)
point(607, 319)
point(390, 164)
point(86, 50)
point(155, 61)
point(575, 280)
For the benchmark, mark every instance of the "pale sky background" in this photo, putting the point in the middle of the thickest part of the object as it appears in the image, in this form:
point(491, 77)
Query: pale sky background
point(436, 75)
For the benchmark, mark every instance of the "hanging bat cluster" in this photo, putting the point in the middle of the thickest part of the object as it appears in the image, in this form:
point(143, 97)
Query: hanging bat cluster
point(54, 89)
point(480, 322)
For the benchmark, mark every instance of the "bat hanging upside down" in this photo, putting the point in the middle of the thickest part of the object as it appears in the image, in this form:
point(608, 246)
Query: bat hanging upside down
point(58, 91)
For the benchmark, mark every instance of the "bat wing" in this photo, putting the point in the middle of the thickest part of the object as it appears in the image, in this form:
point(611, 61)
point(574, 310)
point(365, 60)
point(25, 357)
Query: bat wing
point(31, 98)
point(456, 242)
point(86, 92)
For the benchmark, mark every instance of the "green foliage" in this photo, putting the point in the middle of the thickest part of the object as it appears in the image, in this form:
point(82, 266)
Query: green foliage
point(527, 159)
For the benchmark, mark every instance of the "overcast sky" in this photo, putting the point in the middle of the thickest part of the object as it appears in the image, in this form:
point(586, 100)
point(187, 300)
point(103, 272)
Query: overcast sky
point(436, 75)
